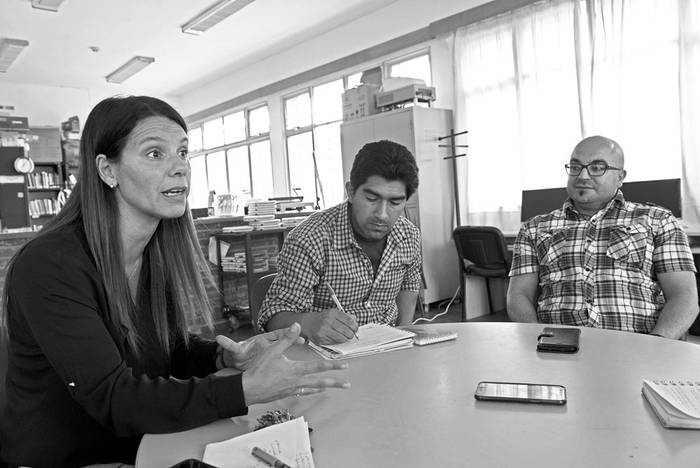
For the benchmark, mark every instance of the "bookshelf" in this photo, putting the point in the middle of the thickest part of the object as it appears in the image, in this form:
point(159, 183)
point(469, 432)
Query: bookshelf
point(243, 258)
point(43, 188)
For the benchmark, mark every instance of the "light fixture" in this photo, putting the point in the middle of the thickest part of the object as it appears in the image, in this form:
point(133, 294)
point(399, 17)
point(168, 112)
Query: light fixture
point(9, 50)
point(50, 5)
point(130, 68)
point(214, 15)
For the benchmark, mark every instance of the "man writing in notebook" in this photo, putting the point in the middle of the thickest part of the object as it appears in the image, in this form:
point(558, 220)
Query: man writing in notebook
point(602, 261)
point(362, 250)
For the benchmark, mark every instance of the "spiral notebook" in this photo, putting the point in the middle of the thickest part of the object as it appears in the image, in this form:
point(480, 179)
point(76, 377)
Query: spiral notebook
point(675, 402)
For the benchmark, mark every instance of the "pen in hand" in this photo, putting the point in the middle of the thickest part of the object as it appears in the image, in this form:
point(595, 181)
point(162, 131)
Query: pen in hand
point(271, 460)
point(337, 303)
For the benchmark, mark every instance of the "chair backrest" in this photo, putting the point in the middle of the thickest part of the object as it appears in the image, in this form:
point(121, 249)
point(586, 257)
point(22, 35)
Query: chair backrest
point(257, 296)
point(484, 246)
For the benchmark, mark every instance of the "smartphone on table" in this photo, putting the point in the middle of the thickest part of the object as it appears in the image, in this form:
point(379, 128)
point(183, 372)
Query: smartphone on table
point(521, 392)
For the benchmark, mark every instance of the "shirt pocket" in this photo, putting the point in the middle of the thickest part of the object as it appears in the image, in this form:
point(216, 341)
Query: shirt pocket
point(551, 247)
point(628, 245)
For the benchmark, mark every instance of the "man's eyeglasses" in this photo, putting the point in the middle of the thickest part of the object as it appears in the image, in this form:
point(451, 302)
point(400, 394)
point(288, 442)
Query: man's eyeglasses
point(595, 169)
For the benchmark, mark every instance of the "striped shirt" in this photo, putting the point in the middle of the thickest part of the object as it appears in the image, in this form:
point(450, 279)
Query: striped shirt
point(601, 271)
point(323, 249)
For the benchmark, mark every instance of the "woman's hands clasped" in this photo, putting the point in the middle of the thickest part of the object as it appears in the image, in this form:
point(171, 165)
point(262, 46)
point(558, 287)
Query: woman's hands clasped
point(268, 374)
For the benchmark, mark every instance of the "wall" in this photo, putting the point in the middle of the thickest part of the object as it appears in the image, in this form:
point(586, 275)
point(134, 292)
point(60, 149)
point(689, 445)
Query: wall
point(46, 105)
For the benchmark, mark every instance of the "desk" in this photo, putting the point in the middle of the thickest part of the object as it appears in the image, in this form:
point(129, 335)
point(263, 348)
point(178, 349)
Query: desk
point(415, 407)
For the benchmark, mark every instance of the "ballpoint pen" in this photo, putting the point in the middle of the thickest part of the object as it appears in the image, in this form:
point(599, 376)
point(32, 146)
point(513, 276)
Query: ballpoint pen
point(337, 303)
point(271, 460)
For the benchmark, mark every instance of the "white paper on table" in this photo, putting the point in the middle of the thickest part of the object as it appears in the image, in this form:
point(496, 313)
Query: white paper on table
point(288, 441)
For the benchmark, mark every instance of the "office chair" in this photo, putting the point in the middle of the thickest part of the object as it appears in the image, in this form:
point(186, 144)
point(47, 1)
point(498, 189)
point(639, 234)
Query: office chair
point(482, 252)
point(257, 296)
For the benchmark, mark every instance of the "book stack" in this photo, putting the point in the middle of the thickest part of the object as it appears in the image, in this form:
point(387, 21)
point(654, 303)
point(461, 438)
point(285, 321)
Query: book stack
point(292, 222)
point(42, 180)
point(42, 207)
point(260, 207)
point(262, 222)
point(243, 228)
point(235, 263)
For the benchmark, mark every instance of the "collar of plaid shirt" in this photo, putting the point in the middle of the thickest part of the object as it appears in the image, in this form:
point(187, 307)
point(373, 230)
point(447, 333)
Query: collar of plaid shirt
point(618, 200)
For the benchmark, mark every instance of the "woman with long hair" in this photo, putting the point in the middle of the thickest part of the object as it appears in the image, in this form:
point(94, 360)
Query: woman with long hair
point(97, 303)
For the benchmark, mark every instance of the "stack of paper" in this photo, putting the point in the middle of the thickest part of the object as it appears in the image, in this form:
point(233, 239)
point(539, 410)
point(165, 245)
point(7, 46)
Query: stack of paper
point(288, 441)
point(260, 207)
point(371, 338)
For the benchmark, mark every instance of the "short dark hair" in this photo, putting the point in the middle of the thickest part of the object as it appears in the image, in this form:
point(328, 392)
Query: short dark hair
point(386, 159)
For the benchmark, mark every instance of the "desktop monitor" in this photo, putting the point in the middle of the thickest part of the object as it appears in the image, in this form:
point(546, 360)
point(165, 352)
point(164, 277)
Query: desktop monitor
point(664, 192)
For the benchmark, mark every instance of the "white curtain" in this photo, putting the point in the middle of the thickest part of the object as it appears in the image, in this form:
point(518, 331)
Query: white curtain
point(531, 84)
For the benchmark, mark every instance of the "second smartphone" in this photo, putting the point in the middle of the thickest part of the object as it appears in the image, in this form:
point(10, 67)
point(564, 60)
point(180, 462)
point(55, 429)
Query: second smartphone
point(521, 392)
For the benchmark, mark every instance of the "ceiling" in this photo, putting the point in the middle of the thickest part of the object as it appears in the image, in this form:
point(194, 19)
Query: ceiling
point(59, 51)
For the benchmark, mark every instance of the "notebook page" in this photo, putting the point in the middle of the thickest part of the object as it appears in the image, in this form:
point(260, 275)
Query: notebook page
point(684, 395)
point(288, 441)
point(370, 336)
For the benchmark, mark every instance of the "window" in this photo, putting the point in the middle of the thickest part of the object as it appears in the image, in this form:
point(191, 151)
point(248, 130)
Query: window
point(234, 127)
point(234, 156)
point(416, 67)
point(531, 84)
point(195, 138)
point(353, 80)
point(312, 123)
point(199, 193)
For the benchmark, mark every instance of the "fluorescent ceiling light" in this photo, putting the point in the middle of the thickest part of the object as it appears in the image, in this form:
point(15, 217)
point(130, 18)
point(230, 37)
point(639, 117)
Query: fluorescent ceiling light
point(51, 5)
point(214, 15)
point(130, 68)
point(9, 50)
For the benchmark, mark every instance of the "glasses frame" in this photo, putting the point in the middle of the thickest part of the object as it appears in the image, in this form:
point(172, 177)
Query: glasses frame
point(567, 168)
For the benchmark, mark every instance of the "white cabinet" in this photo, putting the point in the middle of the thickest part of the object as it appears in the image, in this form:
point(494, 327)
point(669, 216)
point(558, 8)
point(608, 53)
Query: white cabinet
point(432, 207)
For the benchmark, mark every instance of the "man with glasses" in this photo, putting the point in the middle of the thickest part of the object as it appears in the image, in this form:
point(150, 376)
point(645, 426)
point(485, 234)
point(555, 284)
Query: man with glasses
point(603, 261)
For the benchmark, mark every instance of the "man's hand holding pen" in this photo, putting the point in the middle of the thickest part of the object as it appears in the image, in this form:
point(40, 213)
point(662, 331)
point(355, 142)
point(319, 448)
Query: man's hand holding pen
point(329, 326)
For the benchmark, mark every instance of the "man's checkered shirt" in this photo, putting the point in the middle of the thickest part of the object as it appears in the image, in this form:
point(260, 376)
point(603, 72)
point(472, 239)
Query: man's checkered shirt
point(323, 248)
point(601, 271)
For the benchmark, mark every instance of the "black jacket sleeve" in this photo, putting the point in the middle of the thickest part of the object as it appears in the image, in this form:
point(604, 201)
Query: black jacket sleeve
point(194, 359)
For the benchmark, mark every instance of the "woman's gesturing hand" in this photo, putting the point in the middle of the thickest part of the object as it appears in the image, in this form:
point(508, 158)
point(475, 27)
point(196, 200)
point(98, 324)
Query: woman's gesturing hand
point(270, 375)
point(240, 355)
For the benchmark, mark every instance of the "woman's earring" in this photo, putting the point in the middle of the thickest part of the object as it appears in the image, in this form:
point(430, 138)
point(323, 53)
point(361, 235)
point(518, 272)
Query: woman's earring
point(113, 185)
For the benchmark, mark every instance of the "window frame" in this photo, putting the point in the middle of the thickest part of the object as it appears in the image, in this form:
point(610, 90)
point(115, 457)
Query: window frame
point(247, 142)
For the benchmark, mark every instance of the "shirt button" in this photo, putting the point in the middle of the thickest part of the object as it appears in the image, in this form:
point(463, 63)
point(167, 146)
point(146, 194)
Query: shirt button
point(588, 268)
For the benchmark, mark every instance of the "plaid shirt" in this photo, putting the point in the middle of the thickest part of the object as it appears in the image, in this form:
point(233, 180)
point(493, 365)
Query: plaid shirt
point(323, 248)
point(601, 271)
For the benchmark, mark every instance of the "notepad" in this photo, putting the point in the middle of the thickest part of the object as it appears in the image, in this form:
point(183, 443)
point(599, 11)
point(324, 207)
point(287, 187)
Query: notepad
point(675, 402)
point(426, 335)
point(372, 338)
point(288, 441)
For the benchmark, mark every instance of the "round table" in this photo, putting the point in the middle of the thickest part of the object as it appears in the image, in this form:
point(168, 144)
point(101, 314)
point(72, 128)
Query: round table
point(415, 407)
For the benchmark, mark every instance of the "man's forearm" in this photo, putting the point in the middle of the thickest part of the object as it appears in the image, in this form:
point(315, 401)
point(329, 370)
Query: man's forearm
point(406, 305)
point(676, 317)
point(521, 309)
point(286, 319)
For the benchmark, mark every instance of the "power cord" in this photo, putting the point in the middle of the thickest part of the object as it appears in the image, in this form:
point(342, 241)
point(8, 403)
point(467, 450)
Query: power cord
point(441, 313)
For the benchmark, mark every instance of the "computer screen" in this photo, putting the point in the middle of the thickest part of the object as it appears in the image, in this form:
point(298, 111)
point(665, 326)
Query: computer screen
point(664, 192)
